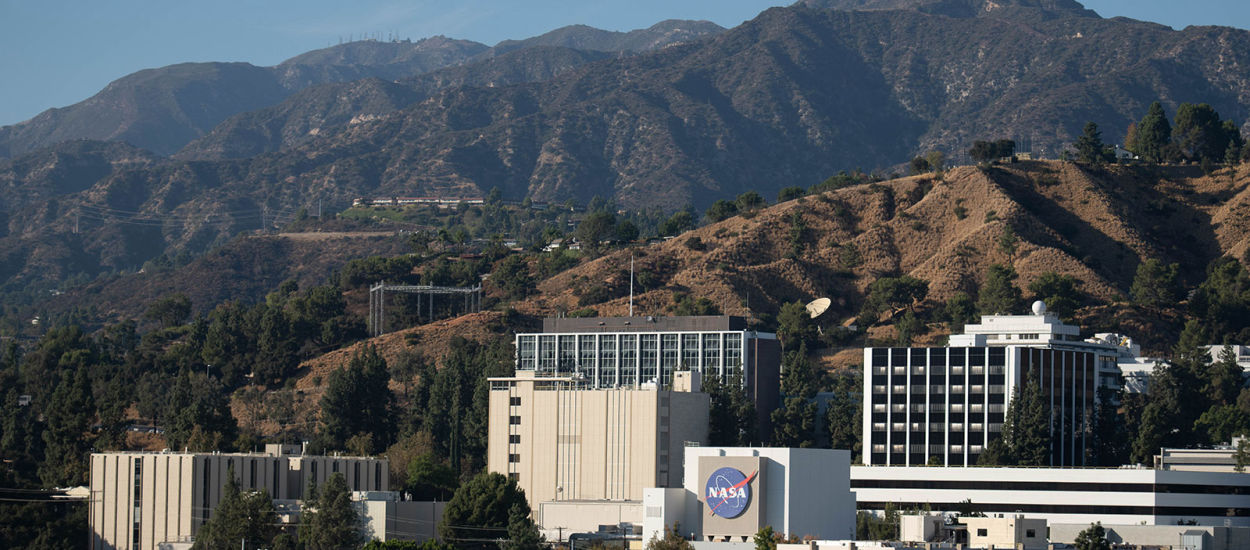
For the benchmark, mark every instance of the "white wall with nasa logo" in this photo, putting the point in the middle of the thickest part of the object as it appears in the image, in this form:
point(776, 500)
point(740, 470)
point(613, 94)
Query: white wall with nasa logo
point(804, 492)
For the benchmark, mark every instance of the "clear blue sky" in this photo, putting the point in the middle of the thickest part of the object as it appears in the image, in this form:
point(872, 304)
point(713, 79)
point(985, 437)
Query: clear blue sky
point(57, 52)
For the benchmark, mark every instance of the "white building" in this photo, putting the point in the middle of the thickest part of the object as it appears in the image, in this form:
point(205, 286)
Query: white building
point(943, 405)
point(1125, 496)
point(730, 493)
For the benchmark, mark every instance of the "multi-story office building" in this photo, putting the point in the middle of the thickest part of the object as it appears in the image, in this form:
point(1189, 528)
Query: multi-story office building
point(611, 352)
point(139, 500)
point(563, 440)
point(943, 405)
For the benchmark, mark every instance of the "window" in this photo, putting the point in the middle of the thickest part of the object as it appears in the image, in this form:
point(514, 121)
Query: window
point(514, 438)
point(982, 532)
point(514, 458)
point(514, 420)
point(514, 476)
point(514, 401)
point(1030, 533)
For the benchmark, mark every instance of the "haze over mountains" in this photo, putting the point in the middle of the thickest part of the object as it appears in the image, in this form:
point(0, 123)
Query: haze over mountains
point(680, 113)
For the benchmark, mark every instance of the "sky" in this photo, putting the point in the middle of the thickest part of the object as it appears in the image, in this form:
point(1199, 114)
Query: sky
point(54, 53)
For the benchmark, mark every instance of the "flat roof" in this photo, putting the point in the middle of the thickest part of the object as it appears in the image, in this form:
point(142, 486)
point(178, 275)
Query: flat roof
point(644, 324)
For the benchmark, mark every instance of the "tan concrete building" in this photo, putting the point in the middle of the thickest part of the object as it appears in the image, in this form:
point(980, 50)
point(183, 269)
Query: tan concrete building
point(1007, 532)
point(139, 500)
point(564, 442)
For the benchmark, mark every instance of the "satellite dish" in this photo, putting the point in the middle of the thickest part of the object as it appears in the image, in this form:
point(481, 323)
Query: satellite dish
point(817, 307)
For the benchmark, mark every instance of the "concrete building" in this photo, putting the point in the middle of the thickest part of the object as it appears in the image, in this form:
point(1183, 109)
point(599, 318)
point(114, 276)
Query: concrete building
point(1013, 531)
point(944, 405)
point(139, 500)
point(564, 441)
point(1124, 496)
point(1219, 459)
point(611, 352)
point(730, 493)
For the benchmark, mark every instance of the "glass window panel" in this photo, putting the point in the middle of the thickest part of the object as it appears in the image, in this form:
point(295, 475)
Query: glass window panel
point(527, 345)
point(690, 351)
point(649, 359)
point(607, 360)
point(669, 357)
point(629, 359)
point(547, 354)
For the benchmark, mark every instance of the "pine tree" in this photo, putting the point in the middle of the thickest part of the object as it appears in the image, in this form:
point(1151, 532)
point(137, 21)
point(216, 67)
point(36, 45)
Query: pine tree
point(329, 521)
point(239, 517)
point(1093, 538)
point(1153, 135)
point(1156, 284)
point(1089, 146)
point(69, 416)
point(522, 533)
point(999, 295)
point(358, 401)
point(1224, 379)
point(481, 509)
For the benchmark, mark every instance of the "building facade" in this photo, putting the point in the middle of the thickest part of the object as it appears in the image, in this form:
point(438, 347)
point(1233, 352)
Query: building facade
point(613, 352)
point(139, 500)
point(562, 439)
point(1122, 496)
point(944, 405)
point(730, 493)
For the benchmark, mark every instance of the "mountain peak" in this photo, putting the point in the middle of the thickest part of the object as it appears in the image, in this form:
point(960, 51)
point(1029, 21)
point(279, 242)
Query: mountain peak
point(955, 8)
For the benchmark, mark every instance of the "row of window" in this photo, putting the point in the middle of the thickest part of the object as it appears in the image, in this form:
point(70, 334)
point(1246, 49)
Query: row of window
point(624, 359)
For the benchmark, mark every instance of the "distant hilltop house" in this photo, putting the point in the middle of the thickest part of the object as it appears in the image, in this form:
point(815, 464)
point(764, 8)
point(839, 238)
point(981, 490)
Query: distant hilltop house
point(1122, 154)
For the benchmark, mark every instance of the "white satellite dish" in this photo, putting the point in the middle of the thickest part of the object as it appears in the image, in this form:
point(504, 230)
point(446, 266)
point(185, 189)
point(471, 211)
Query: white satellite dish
point(817, 307)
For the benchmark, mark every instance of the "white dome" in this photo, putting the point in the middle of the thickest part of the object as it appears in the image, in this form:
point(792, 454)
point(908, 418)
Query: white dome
point(1039, 307)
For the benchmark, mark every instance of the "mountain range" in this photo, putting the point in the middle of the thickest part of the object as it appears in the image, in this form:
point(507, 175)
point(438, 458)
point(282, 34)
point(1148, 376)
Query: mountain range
point(682, 113)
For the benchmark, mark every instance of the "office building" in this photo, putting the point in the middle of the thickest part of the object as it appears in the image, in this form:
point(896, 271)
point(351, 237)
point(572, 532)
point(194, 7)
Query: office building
point(730, 493)
point(611, 352)
point(943, 405)
point(568, 444)
point(1123, 496)
point(141, 499)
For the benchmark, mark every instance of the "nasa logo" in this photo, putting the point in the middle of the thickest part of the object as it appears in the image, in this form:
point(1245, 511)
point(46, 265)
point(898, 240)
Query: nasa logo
point(728, 492)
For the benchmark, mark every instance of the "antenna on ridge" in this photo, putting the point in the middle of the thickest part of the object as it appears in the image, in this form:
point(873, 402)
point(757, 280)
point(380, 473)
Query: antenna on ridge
point(631, 285)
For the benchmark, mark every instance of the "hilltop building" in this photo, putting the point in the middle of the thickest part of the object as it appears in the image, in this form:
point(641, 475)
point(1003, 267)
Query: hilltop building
point(943, 405)
point(629, 352)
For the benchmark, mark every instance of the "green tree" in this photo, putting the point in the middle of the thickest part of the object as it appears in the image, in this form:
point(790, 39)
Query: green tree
point(732, 418)
point(672, 541)
point(357, 400)
point(170, 311)
point(1089, 146)
point(1093, 538)
point(936, 160)
point(68, 417)
point(750, 200)
point(1224, 379)
point(1026, 426)
point(246, 518)
point(794, 424)
point(790, 193)
point(680, 222)
point(765, 538)
point(522, 533)
point(1242, 456)
point(1153, 135)
point(720, 210)
point(960, 310)
point(1199, 133)
point(889, 293)
point(329, 521)
point(1156, 285)
point(430, 478)
point(597, 226)
point(999, 295)
point(794, 325)
point(481, 509)
point(1220, 423)
point(1222, 302)
point(627, 231)
point(907, 328)
point(844, 415)
point(918, 165)
point(1060, 293)
point(198, 413)
point(512, 276)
